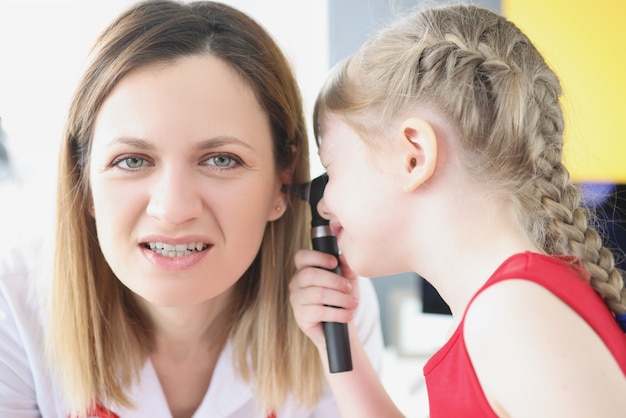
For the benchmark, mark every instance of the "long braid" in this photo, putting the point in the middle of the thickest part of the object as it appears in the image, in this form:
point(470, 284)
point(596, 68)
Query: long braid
point(487, 77)
point(517, 120)
point(567, 230)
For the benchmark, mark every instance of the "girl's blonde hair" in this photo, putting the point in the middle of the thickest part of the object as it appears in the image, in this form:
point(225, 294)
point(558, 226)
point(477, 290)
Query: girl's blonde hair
point(99, 338)
point(493, 86)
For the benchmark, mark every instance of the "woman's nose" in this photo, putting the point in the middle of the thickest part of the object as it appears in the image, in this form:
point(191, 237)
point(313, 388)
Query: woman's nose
point(174, 198)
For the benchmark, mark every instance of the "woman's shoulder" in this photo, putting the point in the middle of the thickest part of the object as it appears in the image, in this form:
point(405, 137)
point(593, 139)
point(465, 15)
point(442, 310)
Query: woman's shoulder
point(21, 259)
point(25, 377)
point(23, 281)
point(14, 261)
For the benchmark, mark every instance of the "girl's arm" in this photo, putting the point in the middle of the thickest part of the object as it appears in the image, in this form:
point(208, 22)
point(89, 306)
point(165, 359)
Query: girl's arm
point(359, 393)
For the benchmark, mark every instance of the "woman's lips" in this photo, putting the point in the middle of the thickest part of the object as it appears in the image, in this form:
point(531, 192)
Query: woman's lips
point(173, 260)
point(176, 250)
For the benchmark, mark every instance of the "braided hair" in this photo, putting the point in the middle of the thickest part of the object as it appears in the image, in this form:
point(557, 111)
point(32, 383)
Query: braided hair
point(488, 79)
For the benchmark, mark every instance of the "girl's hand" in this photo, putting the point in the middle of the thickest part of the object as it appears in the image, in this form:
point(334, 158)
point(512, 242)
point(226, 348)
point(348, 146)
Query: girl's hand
point(316, 293)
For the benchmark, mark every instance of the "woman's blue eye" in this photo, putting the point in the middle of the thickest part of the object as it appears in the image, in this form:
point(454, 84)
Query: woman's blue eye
point(222, 161)
point(131, 162)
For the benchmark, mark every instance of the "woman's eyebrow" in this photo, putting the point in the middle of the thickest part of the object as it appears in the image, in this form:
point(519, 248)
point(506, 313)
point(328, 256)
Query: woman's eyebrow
point(210, 143)
point(133, 142)
point(219, 141)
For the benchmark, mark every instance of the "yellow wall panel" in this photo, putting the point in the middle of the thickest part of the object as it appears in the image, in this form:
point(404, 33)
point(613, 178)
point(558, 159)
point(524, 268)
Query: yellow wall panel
point(585, 43)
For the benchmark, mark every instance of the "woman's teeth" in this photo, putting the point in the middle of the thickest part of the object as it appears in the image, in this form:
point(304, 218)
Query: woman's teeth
point(176, 250)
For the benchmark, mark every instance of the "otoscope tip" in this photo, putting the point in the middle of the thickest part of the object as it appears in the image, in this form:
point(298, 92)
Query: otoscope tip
point(297, 190)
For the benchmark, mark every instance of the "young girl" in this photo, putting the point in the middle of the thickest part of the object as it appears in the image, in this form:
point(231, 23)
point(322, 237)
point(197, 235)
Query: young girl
point(442, 137)
point(174, 244)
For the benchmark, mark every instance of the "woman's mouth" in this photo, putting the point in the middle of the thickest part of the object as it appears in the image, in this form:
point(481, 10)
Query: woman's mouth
point(176, 250)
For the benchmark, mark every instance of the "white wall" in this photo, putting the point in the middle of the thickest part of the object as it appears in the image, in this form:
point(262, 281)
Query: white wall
point(43, 47)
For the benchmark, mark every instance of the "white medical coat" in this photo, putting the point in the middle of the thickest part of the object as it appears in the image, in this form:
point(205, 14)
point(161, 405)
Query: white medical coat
point(28, 389)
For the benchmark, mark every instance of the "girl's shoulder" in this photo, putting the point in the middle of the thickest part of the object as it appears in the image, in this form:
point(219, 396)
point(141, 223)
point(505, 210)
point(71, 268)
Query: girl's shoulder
point(534, 294)
point(540, 328)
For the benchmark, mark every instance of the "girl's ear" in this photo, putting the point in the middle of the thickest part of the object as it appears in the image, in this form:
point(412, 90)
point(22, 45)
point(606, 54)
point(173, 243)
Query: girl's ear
point(419, 143)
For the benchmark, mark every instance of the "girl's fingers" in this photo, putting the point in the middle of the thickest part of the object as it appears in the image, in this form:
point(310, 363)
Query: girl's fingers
point(312, 272)
point(314, 286)
point(318, 294)
point(310, 317)
point(318, 278)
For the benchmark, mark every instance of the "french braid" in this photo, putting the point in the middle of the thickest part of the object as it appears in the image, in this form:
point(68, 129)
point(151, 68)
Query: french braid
point(494, 86)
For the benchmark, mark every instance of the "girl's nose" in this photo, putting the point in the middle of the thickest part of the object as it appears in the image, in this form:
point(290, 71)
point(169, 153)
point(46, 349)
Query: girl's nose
point(322, 209)
point(174, 198)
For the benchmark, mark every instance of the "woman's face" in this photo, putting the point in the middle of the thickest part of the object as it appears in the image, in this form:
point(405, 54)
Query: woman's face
point(183, 179)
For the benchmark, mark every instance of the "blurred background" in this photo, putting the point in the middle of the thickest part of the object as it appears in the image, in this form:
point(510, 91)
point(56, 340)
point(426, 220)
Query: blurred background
point(44, 44)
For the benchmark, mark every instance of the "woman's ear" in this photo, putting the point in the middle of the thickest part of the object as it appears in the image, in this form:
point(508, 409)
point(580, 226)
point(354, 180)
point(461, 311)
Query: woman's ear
point(91, 208)
point(419, 143)
point(281, 199)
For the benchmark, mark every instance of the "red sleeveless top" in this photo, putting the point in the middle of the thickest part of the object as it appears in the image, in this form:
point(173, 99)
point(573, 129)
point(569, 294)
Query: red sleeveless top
point(452, 384)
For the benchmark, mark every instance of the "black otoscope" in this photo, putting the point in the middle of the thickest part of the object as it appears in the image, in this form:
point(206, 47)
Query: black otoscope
point(336, 333)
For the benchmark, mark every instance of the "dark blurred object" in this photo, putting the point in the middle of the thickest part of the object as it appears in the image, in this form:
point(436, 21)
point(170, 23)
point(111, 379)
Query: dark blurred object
point(5, 162)
point(431, 301)
point(606, 201)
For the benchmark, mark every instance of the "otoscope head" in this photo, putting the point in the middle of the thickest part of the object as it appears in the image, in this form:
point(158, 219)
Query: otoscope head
point(301, 190)
point(311, 192)
point(318, 185)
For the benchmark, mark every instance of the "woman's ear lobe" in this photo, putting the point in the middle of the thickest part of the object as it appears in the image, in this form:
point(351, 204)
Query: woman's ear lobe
point(91, 208)
point(420, 148)
point(282, 199)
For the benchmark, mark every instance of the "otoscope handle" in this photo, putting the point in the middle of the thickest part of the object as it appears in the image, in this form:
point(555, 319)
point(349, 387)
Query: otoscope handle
point(336, 333)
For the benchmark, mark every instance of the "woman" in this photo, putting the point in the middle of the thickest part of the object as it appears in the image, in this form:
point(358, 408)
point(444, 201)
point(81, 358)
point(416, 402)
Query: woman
point(174, 243)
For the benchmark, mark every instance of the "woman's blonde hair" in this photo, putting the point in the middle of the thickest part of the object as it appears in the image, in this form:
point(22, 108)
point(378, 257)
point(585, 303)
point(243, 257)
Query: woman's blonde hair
point(99, 338)
point(496, 90)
